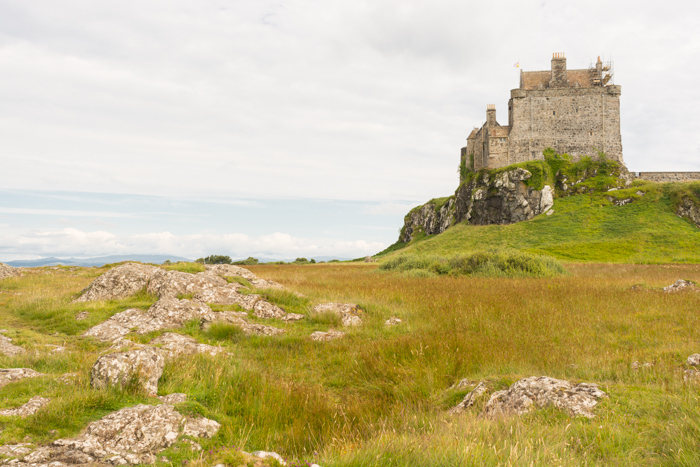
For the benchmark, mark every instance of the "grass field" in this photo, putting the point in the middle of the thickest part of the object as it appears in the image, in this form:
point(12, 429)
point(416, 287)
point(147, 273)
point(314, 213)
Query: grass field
point(380, 396)
point(587, 228)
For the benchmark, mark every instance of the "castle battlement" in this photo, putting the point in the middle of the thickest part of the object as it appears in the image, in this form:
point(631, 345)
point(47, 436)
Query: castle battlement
point(572, 111)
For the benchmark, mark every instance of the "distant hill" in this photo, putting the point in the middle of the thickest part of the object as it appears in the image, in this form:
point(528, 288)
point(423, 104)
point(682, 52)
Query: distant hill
point(97, 261)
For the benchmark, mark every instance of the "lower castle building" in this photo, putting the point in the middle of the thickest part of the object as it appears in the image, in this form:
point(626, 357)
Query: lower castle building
point(572, 111)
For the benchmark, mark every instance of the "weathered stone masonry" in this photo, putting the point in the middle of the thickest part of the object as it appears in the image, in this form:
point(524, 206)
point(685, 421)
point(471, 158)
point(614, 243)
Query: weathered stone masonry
point(572, 111)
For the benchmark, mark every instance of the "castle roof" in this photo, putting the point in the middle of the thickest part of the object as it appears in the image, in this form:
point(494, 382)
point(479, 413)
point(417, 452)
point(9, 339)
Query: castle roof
point(473, 133)
point(534, 79)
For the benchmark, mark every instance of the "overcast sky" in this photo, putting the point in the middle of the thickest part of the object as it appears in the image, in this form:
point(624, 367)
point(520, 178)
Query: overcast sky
point(294, 127)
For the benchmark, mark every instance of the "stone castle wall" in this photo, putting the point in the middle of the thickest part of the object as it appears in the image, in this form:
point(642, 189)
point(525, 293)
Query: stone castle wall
point(576, 121)
point(663, 177)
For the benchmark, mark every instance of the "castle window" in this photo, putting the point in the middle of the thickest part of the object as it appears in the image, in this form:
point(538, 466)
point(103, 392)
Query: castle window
point(554, 112)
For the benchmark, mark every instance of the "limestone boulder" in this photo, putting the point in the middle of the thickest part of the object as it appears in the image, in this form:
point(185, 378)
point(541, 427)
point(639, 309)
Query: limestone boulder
point(120, 282)
point(133, 435)
point(140, 366)
point(174, 345)
point(269, 454)
point(350, 313)
point(8, 348)
point(171, 284)
point(470, 399)
point(393, 321)
point(267, 310)
point(541, 391)
point(8, 271)
point(694, 360)
point(679, 285)
point(174, 398)
point(11, 375)
point(226, 295)
point(25, 410)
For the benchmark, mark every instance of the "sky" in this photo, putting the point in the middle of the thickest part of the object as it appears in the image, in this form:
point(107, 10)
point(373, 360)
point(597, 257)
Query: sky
point(294, 127)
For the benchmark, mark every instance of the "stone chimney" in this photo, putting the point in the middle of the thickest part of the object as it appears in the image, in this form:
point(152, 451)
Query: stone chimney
point(491, 115)
point(559, 78)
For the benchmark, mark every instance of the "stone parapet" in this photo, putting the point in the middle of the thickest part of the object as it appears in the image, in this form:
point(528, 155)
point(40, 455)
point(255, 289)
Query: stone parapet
point(663, 177)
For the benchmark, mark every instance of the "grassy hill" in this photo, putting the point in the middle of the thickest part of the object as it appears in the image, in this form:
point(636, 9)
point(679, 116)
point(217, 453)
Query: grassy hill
point(587, 227)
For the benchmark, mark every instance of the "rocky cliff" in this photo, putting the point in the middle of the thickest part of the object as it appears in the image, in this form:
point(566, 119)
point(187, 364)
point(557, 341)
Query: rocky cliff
point(512, 194)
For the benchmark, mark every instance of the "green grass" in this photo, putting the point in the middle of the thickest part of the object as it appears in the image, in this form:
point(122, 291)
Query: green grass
point(587, 228)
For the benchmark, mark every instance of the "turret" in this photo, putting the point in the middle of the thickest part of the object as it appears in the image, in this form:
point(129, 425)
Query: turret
point(491, 115)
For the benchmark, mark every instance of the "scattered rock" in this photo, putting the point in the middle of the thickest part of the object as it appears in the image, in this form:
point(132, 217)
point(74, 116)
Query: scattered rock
point(694, 360)
point(469, 399)
point(349, 313)
point(120, 282)
point(30, 408)
point(171, 284)
point(266, 310)
point(321, 336)
point(393, 321)
point(174, 398)
point(238, 319)
point(82, 315)
point(644, 366)
point(266, 454)
point(464, 383)
point(174, 345)
point(369, 259)
point(133, 435)
point(10, 375)
point(680, 284)
point(261, 330)
point(528, 393)
point(144, 366)
point(8, 271)
point(8, 348)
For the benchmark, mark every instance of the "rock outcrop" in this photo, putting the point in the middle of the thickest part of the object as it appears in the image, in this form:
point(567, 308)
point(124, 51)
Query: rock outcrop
point(470, 399)
point(133, 435)
point(8, 271)
point(142, 366)
point(173, 345)
point(10, 375)
point(688, 209)
point(8, 348)
point(171, 284)
point(350, 314)
point(679, 285)
point(321, 336)
point(120, 282)
point(541, 391)
point(393, 321)
point(25, 410)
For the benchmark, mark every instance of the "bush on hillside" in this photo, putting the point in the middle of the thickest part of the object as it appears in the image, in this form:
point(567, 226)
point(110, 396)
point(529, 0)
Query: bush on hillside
point(504, 263)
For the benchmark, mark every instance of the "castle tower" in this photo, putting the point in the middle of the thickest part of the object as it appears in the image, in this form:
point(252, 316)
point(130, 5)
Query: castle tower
point(491, 115)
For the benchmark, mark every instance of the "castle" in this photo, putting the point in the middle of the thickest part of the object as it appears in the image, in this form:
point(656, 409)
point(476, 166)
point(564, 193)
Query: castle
point(572, 111)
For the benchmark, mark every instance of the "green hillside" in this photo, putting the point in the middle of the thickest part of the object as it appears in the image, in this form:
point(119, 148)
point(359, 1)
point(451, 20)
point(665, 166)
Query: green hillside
point(587, 228)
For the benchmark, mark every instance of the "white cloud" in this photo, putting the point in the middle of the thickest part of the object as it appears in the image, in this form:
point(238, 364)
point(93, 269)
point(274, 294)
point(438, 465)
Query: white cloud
point(75, 242)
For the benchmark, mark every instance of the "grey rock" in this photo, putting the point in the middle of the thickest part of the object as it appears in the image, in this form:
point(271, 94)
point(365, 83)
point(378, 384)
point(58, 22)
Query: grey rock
point(119, 369)
point(174, 345)
point(8, 348)
point(226, 295)
point(82, 315)
point(266, 454)
point(529, 393)
point(691, 376)
point(10, 375)
point(171, 284)
point(679, 285)
point(229, 270)
point(694, 360)
point(266, 310)
point(174, 398)
point(393, 321)
point(16, 450)
point(25, 410)
point(120, 282)
point(133, 435)
point(8, 271)
point(644, 366)
point(350, 313)
point(321, 336)
point(689, 210)
point(470, 398)
point(239, 319)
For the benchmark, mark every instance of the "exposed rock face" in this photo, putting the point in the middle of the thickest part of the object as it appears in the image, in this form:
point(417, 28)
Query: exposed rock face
point(170, 284)
point(25, 410)
point(143, 365)
point(8, 348)
point(350, 313)
point(227, 295)
point(8, 271)
point(503, 198)
point(469, 399)
point(133, 435)
point(174, 345)
point(688, 209)
point(541, 391)
point(679, 285)
point(321, 336)
point(120, 282)
point(10, 375)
